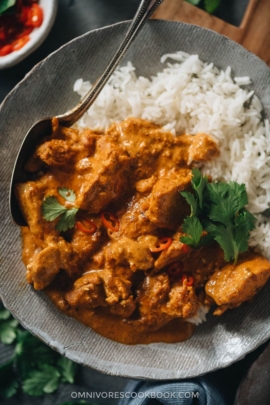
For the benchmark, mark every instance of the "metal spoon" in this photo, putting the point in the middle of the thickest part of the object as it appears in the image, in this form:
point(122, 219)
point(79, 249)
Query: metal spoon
point(43, 127)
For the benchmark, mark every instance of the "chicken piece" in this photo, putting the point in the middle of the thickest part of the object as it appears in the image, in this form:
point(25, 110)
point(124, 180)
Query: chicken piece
point(233, 285)
point(176, 251)
point(126, 251)
point(107, 179)
point(56, 152)
point(145, 185)
point(167, 208)
point(183, 302)
point(202, 148)
point(102, 288)
point(133, 221)
point(58, 254)
point(85, 244)
point(30, 196)
point(153, 293)
point(87, 291)
point(159, 302)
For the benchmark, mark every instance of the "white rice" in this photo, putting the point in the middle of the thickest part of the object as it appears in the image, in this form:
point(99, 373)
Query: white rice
point(190, 96)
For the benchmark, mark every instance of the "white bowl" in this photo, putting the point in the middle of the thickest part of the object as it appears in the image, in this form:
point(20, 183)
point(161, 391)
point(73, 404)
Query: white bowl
point(37, 36)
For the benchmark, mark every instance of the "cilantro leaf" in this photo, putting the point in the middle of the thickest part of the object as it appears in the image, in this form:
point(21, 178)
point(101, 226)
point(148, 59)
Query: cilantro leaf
point(68, 369)
point(67, 194)
point(225, 200)
point(43, 381)
point(8, 331)
point(218, 208)
point(4, 313)
point(191, 201)
point(31, 353)
point(51, 209)
point(198, 183)
point(67, 220)
point(193, 228)
point(6, 4)
point(224, 237)
point(211, 5)
point(9, 383)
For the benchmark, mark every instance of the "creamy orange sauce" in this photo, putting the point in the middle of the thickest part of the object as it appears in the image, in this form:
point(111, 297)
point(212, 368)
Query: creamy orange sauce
point(113, 280)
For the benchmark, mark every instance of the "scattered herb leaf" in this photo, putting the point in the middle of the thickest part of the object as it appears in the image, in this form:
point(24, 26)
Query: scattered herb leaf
point(52, 209)
point(67, 194)
point(4, 314)
point(211, 5)
point(34, 366)
point(8, 331)
point(67, 220)
point(42, 381)
point(68, 369)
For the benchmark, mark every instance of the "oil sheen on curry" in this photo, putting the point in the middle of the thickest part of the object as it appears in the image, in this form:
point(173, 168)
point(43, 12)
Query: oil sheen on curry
point(120, 267)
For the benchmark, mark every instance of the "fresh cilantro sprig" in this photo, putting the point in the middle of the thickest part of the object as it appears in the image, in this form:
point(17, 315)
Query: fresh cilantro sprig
point(218, 213)
point(34, 367)
point(209, 5)
point(52, 209)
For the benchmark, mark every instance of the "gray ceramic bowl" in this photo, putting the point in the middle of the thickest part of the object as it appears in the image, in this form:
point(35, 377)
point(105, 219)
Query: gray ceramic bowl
point(47, 90)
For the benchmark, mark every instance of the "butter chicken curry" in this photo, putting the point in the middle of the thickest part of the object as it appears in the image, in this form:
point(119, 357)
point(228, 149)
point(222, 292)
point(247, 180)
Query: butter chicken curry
point(105, 217)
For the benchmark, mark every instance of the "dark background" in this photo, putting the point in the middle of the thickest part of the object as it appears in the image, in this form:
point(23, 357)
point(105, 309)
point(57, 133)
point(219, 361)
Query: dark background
point(74, 18)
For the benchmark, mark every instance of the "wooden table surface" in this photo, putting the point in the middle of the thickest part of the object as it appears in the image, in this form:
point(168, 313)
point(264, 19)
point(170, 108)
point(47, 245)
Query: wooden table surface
point(253, 32)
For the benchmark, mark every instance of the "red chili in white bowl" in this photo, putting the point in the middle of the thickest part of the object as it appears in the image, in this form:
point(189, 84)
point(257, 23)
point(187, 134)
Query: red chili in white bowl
point(16, 23)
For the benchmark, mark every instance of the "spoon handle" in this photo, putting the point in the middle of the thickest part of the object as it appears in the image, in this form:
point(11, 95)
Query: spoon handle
point(145, 10)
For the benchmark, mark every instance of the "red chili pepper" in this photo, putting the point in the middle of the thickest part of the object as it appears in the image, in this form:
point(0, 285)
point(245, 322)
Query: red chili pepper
point(110, 221)
point(185, 248)
point(20, 42)
point(175, 269)
point(189, 280)
point(5, 50)
point(86, 226)
point(25, 32)
point(162, 244)
point(35, 16)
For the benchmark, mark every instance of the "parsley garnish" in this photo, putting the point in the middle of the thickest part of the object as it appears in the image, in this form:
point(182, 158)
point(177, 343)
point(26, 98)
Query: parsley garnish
point(218, 213)
point(34, 367)
point(52, 209)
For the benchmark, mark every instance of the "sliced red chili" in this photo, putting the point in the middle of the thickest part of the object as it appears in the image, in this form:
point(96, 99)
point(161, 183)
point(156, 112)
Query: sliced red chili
point(175, 269)
point(162, 244)
point(189, 280)
point(86, 226)
point(5, 50)
point(25, 32)
point(20, 42)
point(35, 16)
point(110, 221)
point(185, 248)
